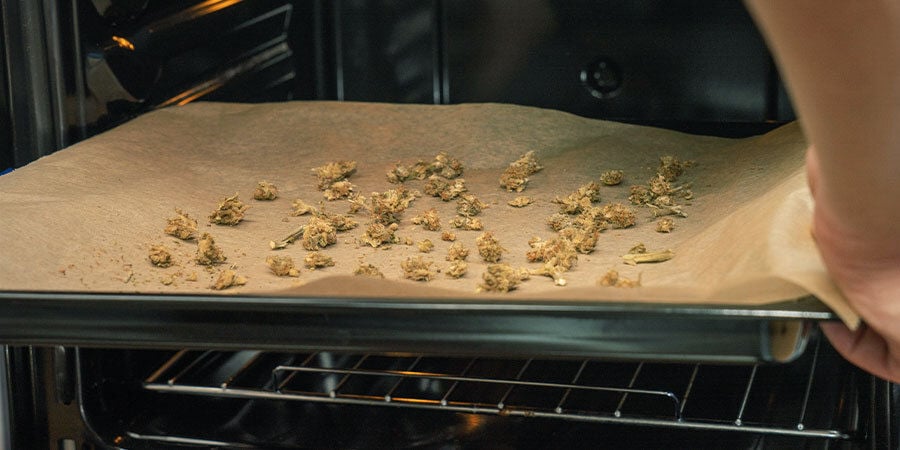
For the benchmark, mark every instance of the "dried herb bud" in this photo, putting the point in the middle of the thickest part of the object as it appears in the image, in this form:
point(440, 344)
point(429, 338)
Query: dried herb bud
point(265, 191)
point(282, 266)
point(612, 177)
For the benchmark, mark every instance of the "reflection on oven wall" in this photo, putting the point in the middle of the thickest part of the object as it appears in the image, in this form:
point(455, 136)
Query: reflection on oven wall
point(698, 66)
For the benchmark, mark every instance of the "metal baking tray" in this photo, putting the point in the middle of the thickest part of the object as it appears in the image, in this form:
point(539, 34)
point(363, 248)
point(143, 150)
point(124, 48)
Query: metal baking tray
point(771, 333)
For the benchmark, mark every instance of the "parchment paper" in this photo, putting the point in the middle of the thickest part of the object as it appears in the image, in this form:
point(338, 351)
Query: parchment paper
point(83, 219)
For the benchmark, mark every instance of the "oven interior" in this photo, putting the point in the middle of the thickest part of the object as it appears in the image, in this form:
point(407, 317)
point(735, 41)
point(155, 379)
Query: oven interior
point(75, 68)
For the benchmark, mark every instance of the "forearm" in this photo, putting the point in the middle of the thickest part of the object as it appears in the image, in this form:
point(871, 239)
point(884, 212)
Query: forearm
point(841, 61)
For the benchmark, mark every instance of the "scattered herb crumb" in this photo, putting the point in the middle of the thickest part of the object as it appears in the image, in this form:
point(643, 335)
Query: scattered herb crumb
point(332, 172)
point(515, 177)
point(429, 220)
point(228, 278)
point(457, 252)
point(520, 201)
point(619, 215)
point(299, 208)
point(489, 247)
point(469, 205)
point(425, 246)
point(417, 269)
point(501, 278)
point(318, 233)
point(665, 225)
point(229, 212)
point(265, 191)
point(448, 236)
point(181, 226)
point(467, 223)
point(612, 177)
point(338, 190)
point(580, 199)
point(457, 269)
point(160, 256)
point(317, 260)
point(208, 253)
point(368, 270)
point(378, 234)
point(282, 266)
point(613, 279)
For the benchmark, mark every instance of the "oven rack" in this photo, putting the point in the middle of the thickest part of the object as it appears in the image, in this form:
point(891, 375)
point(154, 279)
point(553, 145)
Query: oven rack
point(760, 399)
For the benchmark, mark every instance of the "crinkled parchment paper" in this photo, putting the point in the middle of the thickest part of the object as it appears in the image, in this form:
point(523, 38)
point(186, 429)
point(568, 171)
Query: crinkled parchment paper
point(83, 219)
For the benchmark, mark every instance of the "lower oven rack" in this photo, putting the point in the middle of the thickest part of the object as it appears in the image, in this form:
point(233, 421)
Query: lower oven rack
point(759, 399)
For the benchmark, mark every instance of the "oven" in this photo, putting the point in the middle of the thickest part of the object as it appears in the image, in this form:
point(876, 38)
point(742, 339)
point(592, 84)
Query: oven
point(96, 370)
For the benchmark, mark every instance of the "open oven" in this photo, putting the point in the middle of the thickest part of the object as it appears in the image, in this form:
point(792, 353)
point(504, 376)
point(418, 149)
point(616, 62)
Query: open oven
point(94, 370)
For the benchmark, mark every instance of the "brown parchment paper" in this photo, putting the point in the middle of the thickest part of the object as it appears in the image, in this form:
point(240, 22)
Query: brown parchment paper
point(82, 219)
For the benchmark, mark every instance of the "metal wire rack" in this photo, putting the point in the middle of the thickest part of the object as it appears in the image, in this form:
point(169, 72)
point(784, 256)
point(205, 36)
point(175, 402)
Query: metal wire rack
point(760, 399)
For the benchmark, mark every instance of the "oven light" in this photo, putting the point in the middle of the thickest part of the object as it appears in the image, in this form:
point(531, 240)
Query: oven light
point(124, 43)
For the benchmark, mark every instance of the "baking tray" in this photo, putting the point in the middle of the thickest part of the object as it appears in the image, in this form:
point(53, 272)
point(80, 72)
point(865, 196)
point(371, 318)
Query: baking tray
point(776, 332)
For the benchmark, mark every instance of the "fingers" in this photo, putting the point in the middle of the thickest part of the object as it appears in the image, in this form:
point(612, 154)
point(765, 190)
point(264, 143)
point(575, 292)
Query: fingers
point(865, 348)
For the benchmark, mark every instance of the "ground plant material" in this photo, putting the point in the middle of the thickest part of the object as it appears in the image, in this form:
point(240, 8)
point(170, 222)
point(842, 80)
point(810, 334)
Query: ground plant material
point(670, 167)
point(584, 240)
point(612, 177)
point(469, 205)
point(425, 246)
point(579, 200)
point(659, 190)
point(399, 173)
point(208, 253)
point(467, 223)
point(648, 257)
point(229, 212)
point(228, 278)
point(340, 222)
point(520, 201)
point(559, 221)
point(665, 225)
point(338, 190)
point(417, 269)
point(443, 165)
point(318, 233)
point(368, 270)
point(445, 188)
point(446, 166)
point(300, 208)
point(613, 279)
point(501, 278)
point(637, 249)
point(378, 234)
point(457, 269)
point(333, 172)
point(619, 215)
point(429, 220)
point(448, 236)
point(160, 256)
point(489, 247)
point(317, 260)
point(265, 191)
point(515, 177)
point(181, 226)
point(457, 252)
point(282, 266)
point(667, 210)
point(558, 256)
point(387, 206)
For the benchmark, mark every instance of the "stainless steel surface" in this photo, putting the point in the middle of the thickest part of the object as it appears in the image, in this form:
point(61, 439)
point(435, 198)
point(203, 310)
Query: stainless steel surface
point(474, 386)
point(439, 326)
